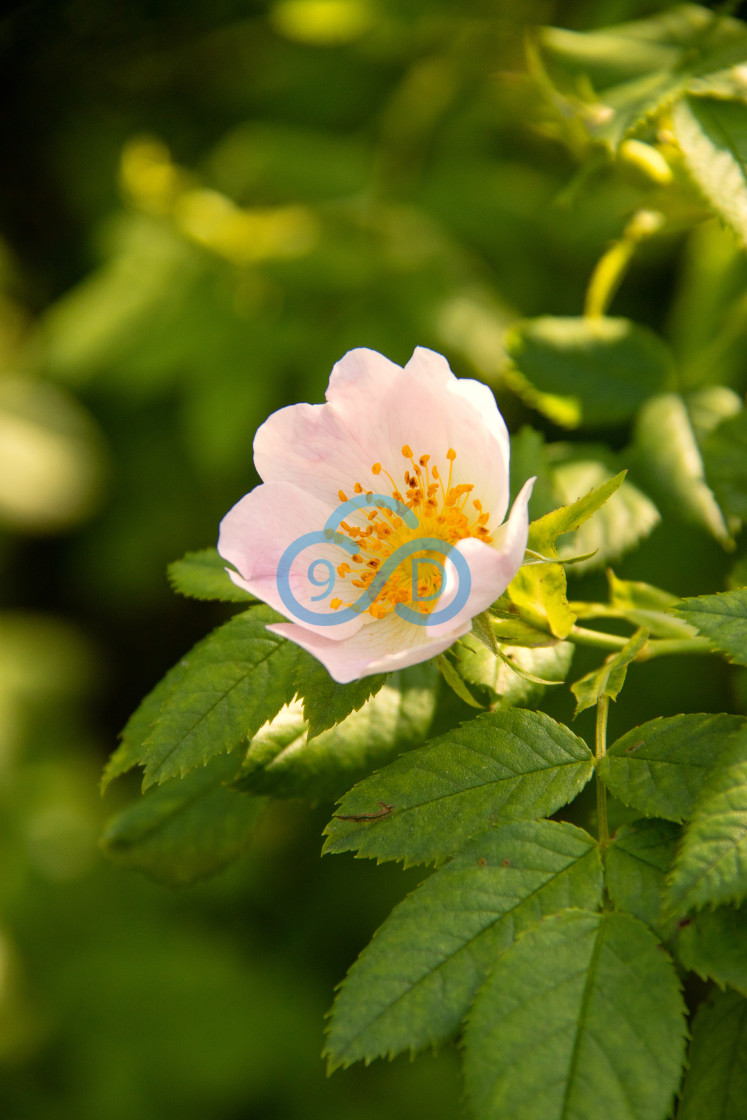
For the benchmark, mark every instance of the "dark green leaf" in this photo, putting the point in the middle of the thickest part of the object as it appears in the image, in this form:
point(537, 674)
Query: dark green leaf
point(711, 866)
point(411, 986)
point(325, 702)
point(609, 679)
point(713, 943)
point(282, 762)
point(203, 575)
point(598, 370)
point(234, 681)
point(187, 829)
point(660, 767)
point(500, 766)
point(716, 1079)
point(722, 619)
point(636, 863)
point(581, 1018)
point(712, 135)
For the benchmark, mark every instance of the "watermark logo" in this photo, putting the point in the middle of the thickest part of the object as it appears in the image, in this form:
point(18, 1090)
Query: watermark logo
point(411, 551)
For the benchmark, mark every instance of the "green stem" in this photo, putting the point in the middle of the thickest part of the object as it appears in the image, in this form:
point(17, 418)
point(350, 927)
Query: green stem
point(612, 265)
point(600, 749)
point(597, 638)
point(656, 647)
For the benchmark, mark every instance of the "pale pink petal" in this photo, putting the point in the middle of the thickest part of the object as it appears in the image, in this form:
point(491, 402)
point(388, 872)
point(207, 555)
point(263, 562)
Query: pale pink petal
point(491, 566)
point(380, 647)
point(254, 536)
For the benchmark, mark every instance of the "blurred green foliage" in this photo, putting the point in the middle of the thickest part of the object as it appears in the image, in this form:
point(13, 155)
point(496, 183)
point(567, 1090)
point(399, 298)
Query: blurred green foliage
point(203, 208)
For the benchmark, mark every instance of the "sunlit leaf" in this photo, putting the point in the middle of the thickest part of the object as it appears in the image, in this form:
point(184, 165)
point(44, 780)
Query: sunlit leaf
point(411, 986)
point(609, 679)
point(203, 575)
point(660, 767)
point(582, 1017)
point(712, 134)
point(721, 618)
point(481, 667)
point(725, 458)
point(501, 766)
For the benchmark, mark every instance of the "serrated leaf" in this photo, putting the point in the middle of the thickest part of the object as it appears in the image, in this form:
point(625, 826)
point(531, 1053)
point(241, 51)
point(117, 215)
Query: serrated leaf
point(609, 679)
point(500, 766)
point(636, 863)
point(713, 943)
point(581, 1018)
point(280, 760)
point(508, 689)
point(711, 865)
point(187, 829)
point(669, 456)
point(621, 523)
point(234, 681)
point(725, 458)
point(721, 618)
point(712, 135)
point(411, 986)
point(129, 753)
point(716, 1080)
point(539, 591)
point(660, 767)
point(203, 575)
point(600, 370)
point(325, 702)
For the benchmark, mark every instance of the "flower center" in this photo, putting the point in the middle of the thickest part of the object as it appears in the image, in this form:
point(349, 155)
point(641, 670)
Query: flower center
point(443, 511)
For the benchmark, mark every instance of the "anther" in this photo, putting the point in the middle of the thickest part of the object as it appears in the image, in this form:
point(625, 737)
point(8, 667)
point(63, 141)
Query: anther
point(407, 451)
point(376, 468)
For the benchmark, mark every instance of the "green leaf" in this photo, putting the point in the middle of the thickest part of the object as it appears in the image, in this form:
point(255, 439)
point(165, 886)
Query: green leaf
point(187, 829)
point(234, 681)
point(507, 688)
point(500, 766)
point(129, 753)
point(203, 575)
point(713, 943)
point(647, 606)
point(621, 524)
point(712, 135)
point(411, 986)
point(716, 1080)
point(660, 767)
point(725, 458)
point(282, 762)
point(721, 618)
point(636, 863)
point(609, 679)
point(325, 702)
point(711, 866)
point(669, 457)
point(456, 682)
point(581, 1018)
point(587, 370)
point(539, 591)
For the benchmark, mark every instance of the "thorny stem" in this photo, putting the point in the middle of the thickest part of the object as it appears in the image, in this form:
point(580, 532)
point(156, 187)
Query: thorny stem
point(600, 749)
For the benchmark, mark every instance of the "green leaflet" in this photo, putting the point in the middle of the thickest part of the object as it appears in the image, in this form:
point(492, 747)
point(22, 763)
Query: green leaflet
point(609, 679)
point(581, 1018)
point(722, 618)
point(539, 591)
point(233, 681)
point(646, 606)
point(725, 458)
point(203, 575)
point(636, 863)
point(712, 135)
point(282, 762)
point(711, 866)
point(669, 457)
point(186, 829)
point(501, 766)
point(716, 1080)
point(413, 983)
point(480, 666)
point(713, 943)
point(587, 370)
point(325, 702)
point(660, 767)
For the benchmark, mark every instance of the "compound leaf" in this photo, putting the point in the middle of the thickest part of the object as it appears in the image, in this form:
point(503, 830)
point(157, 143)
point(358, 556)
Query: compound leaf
point(722, 618)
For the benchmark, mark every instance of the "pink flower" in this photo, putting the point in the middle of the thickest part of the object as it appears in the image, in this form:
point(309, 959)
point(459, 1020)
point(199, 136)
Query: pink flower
point(422, 455)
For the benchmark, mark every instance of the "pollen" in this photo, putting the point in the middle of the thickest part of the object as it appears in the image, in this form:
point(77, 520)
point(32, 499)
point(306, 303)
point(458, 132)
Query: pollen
point(445, 509)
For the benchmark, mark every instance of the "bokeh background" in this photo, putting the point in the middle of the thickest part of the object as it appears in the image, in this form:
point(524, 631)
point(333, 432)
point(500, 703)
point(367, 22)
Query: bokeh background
point(202, 207)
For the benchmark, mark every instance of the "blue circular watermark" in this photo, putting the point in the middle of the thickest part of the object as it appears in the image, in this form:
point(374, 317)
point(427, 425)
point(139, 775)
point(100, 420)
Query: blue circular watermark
point(409, 550)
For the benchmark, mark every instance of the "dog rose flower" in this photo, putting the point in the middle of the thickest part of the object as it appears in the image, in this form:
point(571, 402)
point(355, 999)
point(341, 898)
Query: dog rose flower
point(395, 457)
